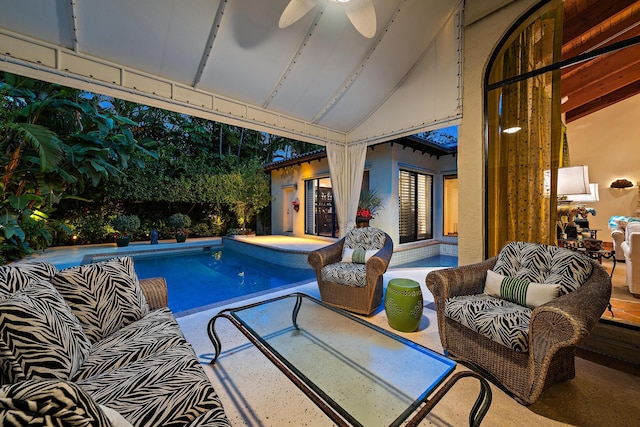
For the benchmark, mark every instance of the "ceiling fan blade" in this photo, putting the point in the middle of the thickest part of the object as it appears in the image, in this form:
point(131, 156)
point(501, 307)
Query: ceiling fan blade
point(295, 10)
point(362, 15)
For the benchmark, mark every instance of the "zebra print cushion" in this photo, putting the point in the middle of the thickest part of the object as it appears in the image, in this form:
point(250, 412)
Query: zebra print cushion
point(544, 264)
point(168, 388)
point(105, 296)
point(156, 331)
point(15, 276)
point(48, 403)
point(497, 319)
point(40, 338)
point(345, 273)
point(366, 238)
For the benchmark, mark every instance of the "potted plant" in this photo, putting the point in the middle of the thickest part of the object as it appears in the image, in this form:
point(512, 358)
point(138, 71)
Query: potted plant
point(369, 204)
point(180, 223)
point(124, 224)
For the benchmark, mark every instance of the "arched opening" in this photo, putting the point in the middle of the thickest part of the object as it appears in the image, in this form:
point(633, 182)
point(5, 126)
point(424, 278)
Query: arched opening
point(561, 89)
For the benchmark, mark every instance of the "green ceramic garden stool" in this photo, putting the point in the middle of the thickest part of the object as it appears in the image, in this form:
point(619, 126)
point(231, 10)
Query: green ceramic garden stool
point(403, 304)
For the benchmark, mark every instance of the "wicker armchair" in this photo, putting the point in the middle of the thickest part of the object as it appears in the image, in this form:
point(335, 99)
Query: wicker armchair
point(155, 292)
point(553, 329)
point(349, 285)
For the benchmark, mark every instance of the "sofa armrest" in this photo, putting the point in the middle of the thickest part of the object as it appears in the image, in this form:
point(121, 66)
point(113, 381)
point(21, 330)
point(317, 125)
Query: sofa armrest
point(617, 236)
point(456, 281)
point(155, 292)
point(48, 402)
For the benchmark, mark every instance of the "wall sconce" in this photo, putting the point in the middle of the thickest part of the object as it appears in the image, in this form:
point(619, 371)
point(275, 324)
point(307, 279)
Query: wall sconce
point(621, 183)
point(296, 204)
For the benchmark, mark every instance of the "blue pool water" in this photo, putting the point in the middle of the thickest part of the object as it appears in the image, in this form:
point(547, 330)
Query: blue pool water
point(197, 279)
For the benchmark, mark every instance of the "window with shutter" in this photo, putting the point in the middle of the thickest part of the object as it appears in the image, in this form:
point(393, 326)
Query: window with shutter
point(416, 206)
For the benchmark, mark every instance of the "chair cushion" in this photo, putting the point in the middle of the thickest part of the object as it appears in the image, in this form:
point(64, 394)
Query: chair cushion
point(48, 403)
point(497, 319)
point(105, 296)
point(40, 338)
point(519, 291)
point(14, 276)
point(156, 331)
point(544, 264)
point(366, 238)
point(345, 273)
point(168, 388)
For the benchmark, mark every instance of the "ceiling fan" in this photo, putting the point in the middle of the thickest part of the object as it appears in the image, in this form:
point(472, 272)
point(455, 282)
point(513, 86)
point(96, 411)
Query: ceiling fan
point(361, 13)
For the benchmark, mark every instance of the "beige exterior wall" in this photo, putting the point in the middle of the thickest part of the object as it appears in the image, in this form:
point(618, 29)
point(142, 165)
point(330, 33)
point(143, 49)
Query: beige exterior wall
point(607, 142)
point(483, 30)
point(383, 163)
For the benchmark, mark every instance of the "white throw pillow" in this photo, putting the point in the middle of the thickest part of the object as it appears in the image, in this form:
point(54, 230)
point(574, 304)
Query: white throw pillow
point(519, 291)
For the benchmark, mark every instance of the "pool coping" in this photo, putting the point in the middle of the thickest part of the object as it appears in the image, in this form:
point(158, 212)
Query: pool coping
point(103, 256)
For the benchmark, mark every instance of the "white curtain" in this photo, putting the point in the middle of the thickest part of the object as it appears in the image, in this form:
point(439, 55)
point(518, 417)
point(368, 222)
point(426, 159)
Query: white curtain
point(346, 166)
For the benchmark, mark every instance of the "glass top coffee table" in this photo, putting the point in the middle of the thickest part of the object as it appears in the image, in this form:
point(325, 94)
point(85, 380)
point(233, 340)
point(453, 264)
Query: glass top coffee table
point(357, 373)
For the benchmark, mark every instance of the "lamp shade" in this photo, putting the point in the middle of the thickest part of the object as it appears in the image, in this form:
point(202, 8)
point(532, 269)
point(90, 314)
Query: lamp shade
point(593, 196)
point(573, 180)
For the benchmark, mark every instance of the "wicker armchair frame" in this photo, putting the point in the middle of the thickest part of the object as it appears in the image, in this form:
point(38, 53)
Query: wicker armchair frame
point(361, 300)
point(155, 292)
point(555, 329)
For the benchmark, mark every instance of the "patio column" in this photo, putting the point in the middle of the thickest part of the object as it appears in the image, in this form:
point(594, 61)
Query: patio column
point(346, 166)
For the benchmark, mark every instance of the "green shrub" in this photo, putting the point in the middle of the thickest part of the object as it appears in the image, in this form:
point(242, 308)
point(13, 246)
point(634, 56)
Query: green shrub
point(179, 222)
point(125, 224)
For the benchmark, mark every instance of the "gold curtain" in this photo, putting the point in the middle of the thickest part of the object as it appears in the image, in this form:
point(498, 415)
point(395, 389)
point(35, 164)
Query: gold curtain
point(522, 166)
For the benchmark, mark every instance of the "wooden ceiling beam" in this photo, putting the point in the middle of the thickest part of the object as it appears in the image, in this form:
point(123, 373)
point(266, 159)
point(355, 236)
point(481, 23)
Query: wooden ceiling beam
point(592, 16)
point(577, 77)
point(608, 33)
point(597, 81)
point(603, 102)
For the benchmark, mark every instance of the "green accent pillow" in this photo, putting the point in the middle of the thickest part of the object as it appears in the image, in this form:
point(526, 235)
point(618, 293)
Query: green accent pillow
point(519, 291)
point(357, 256)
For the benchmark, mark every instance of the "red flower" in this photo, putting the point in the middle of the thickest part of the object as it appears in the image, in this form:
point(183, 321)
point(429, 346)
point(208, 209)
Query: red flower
point(364, 213)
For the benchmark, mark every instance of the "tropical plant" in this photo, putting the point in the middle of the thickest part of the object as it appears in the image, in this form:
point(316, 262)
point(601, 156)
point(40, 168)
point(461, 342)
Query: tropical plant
point(246, 191)
point(369, 204)
point(54, 142)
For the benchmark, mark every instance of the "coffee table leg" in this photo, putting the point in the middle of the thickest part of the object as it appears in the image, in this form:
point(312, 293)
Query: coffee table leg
point(479, 409)
point(213, 336)
point(296, 310)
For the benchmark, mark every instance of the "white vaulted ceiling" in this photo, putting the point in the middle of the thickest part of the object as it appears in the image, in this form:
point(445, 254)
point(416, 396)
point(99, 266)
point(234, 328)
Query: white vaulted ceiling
point(317, 80)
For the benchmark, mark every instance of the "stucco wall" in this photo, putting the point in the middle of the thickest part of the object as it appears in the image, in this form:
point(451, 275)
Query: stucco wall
point(480, 39)
point(607, 142)
point(383, 162)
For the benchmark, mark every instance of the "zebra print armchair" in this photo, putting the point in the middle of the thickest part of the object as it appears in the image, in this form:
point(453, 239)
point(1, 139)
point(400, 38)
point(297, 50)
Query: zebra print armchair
point(523, 329)
point(349, 271)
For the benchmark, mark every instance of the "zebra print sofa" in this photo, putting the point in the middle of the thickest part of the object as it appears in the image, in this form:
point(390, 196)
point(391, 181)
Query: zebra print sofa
point(549, 299)
point(94, 346)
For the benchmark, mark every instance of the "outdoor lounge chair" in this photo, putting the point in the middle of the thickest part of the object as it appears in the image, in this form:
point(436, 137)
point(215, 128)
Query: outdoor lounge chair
point(349, 272)
point(525, 346)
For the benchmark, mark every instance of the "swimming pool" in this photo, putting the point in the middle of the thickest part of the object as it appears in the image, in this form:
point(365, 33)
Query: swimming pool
point(205, 277)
